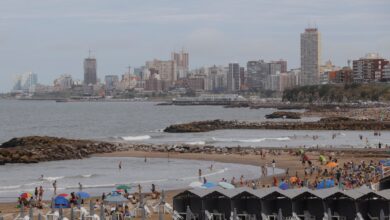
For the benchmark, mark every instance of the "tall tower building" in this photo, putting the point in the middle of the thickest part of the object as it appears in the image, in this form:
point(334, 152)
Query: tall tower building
point(181, 60)
point(310, 56)
point(90, 74)
point(233, 77)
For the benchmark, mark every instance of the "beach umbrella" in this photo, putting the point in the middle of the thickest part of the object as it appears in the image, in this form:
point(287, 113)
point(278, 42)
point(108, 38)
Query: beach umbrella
point(226, 185)
point(123, 187)
point(387, 163)
point(91, 208)
point(283, 185)
point(115, 199)
point(83, 195)
point(188, 213)
point(322, 158)
point(331, 164)
point(31, 213)
point(293, 179)
point(102, 215)
point(280, 214)
point(209, 185)
point(25, 195)
point(329, 183)
point(381, 215)
point(22, 210)
point(60, 201)
point(195, 184)
point(71, 213)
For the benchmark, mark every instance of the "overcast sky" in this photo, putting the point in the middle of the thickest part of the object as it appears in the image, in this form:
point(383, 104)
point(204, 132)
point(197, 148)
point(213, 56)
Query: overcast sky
point(52, 37)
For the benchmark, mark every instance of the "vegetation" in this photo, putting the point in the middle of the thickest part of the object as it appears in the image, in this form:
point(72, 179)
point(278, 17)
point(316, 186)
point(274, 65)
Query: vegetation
point(338, 93)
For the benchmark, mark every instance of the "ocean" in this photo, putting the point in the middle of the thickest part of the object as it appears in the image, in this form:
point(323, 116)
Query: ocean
point(143, 122)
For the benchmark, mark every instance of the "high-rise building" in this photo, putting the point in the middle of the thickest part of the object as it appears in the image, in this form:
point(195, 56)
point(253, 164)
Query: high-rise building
point(257, 72)
point(282, 65)
point(369, 68)
point(90, 71)
point(386, 73)
point(165, 69)
point(233, 77)
point(181, 60)
point(64, 82)
point(310, 56)
point(111, 82)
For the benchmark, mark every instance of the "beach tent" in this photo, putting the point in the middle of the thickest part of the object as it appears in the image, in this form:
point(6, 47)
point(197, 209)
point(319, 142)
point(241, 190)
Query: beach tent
point(342, 203)
point(246, 202)
point(370, 204)
point(273, 199)
point(307, 203)
point(191, 198)
point(217, 203)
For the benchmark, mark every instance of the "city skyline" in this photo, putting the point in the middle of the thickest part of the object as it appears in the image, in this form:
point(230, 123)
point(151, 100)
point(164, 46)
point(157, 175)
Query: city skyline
point(125, 34)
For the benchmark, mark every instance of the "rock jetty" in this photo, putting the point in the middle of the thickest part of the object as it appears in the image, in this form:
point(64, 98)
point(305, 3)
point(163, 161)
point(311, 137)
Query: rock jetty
point(286, 115)
point(332, 123)
point(34, 149)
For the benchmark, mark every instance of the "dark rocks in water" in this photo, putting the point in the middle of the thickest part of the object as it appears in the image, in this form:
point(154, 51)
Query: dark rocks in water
point(334, 123)
point(287, 115)
point(34, 149)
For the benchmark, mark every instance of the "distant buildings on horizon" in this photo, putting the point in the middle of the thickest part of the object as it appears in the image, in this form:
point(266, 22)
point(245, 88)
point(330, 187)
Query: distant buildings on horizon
point(174, 75)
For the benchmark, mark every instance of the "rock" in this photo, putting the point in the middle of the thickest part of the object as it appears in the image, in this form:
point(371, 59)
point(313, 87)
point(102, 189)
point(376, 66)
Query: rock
point(286, 115)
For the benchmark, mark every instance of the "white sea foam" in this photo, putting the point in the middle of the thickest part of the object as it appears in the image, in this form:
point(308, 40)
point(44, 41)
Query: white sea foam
point(196, 143)
point(52, 178)
point(255, 140)
point(136, 138)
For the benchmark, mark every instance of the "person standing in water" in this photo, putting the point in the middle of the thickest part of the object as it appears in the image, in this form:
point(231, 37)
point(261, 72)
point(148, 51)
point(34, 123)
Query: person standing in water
point(120, 165)
point(80, 187)
point(200, 174)
point(55, 187)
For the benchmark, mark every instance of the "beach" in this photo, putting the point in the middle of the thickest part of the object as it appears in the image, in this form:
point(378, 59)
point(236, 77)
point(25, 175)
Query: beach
point(285, 159)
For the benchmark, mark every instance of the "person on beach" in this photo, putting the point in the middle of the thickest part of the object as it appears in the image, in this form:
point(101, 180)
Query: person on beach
point(145, 160)
point(80, 187)
point(55, 187)
point(273, 166)
point(41, 178)
point(40, 193)
point(200, 174)
point(36, 193)
point(120, 165)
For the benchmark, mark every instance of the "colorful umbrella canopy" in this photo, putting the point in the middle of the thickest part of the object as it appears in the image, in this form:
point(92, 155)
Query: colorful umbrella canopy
point(331, 164)
point(195, 184)
point(322, 158)
point(83, 195)
point(25, 195)
point(209, 185)
point(226, 185)
point(293, 179)
point(123, 187)
point(283, 185)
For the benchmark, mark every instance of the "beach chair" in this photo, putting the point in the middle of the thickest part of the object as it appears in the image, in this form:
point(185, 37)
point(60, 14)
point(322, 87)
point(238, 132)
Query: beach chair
point(168, 208)
point(52, 215)
point(177, 216)
point(372, 217)
point(209, 216)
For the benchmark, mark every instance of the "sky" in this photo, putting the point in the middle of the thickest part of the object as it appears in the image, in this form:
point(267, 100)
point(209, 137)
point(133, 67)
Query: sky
point(52, 37)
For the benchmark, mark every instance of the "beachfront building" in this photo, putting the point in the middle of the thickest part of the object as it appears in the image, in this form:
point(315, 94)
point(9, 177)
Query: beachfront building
point(233, 77)
point(369, 68)
point(310, 56)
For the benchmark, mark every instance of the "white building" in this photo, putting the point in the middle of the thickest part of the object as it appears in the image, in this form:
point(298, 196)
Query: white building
point(64, 82)
point(166, 69)
point(310, 56)
point(26, 82)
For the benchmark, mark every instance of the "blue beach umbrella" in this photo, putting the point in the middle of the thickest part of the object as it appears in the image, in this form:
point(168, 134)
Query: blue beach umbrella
point(329, 183)
point(209, 185)
point(60, 201)
point(283, 185)
point(83, 195)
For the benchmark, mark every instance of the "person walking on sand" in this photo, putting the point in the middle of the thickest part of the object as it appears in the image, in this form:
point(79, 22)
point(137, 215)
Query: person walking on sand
point(55, 187)
point(273, 166)
point(40, 193)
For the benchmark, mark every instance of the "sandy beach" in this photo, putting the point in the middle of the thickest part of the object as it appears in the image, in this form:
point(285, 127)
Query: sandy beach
point(285, 159)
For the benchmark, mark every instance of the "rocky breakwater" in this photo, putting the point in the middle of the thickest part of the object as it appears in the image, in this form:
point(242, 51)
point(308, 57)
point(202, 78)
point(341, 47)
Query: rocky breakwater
point(285, 115)
point(332, 123)
point(36, 149)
